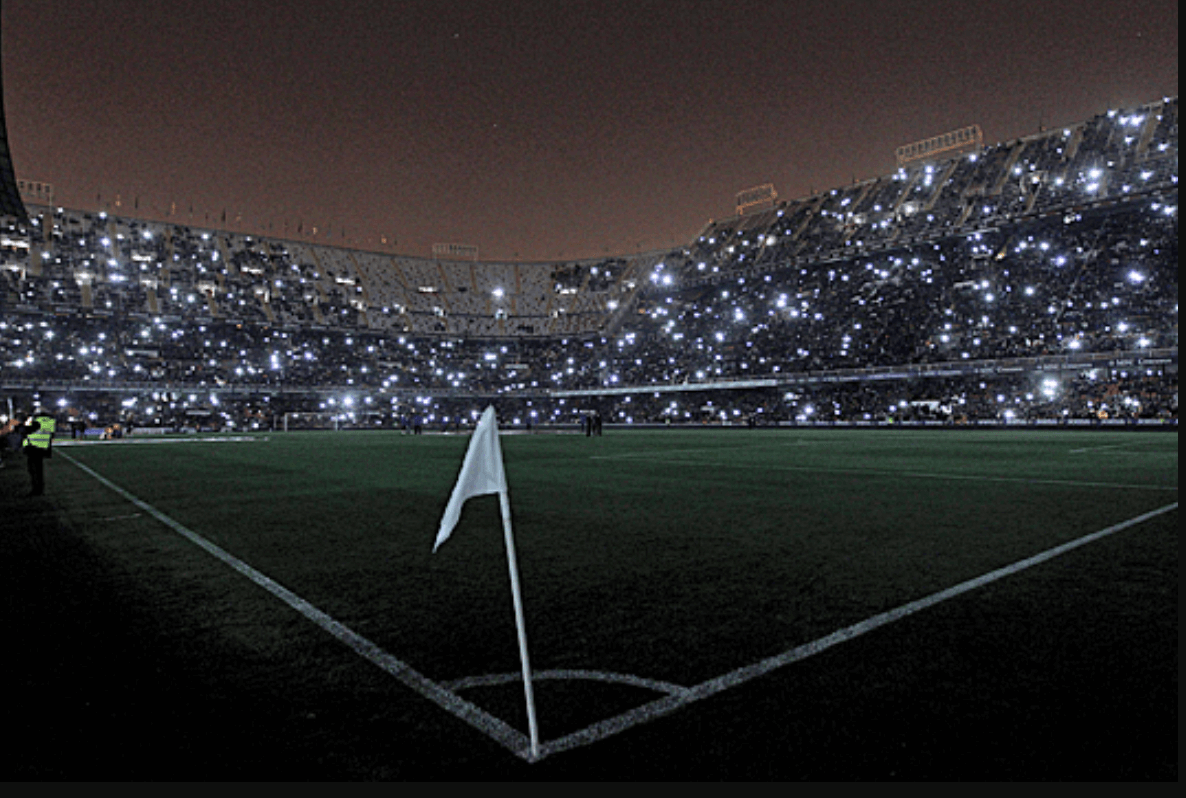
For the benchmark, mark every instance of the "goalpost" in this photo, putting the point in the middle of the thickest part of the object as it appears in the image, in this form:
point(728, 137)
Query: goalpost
point(311, 420)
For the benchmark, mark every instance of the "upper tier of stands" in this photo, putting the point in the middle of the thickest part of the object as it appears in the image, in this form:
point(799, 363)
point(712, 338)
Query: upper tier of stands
point(93, 262)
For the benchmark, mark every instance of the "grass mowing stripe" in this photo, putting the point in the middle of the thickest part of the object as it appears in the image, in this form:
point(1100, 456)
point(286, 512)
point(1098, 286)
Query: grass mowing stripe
point(664, 706)
point(513, 740)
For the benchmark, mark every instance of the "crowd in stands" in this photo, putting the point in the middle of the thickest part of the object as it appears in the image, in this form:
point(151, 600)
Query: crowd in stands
point(1058, 248)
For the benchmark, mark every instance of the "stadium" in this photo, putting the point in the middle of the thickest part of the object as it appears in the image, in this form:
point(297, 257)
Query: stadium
point(1033, 281)
point(887, 487)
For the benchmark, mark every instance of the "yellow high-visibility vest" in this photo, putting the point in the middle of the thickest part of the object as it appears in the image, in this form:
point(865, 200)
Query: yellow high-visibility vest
point(41, 438)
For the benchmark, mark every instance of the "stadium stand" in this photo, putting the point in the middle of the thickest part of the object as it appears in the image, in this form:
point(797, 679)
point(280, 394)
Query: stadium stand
point(1033, 280)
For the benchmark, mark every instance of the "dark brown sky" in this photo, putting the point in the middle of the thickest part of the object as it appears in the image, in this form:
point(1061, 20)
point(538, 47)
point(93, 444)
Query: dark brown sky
point(535, 130)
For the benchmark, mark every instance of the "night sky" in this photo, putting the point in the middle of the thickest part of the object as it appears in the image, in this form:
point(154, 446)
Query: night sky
point(540, 130)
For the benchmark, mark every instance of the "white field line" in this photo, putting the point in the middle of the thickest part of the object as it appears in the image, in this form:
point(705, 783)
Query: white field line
point(875, 438)
point(744, 447)
point(569, 673)
point(888, 473)
point(676, 696)
point(709, 449)
point(513, 740)
point(672, 702)
point(1117, 448)
point(130, 441)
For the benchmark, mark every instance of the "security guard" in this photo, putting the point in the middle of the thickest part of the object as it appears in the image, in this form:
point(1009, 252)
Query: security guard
point(38, 432)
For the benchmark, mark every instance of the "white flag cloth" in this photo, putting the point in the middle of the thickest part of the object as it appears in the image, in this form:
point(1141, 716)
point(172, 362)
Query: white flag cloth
point(481, 473)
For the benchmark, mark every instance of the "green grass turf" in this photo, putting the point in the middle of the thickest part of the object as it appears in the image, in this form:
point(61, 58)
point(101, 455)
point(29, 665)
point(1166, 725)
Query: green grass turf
point(671, 555)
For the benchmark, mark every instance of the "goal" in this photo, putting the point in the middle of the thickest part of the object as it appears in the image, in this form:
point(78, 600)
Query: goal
point(310, 420)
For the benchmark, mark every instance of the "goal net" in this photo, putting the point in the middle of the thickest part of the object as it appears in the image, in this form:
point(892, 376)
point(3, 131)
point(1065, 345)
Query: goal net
point(308, 420)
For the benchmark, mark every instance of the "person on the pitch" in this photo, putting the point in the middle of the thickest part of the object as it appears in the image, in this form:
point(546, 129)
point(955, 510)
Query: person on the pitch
point(38, 433)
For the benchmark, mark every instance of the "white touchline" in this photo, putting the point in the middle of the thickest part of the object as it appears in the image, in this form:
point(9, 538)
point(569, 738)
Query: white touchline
point(676, 697)
point(670, 703)
point(513, 740)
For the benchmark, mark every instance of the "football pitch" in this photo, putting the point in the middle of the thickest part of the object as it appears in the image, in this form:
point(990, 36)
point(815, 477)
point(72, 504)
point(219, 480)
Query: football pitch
point(699, 604)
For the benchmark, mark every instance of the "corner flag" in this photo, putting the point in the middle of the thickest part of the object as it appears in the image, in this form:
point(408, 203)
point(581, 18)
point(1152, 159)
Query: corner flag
point(482, 473)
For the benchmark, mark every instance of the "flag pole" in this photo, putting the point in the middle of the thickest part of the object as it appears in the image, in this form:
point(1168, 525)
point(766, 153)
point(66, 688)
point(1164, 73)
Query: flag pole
point(505, 503)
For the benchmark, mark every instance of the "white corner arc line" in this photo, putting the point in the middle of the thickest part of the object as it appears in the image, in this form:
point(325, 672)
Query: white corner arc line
point(657, 685)
point(668, 704)
point(515, 741)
